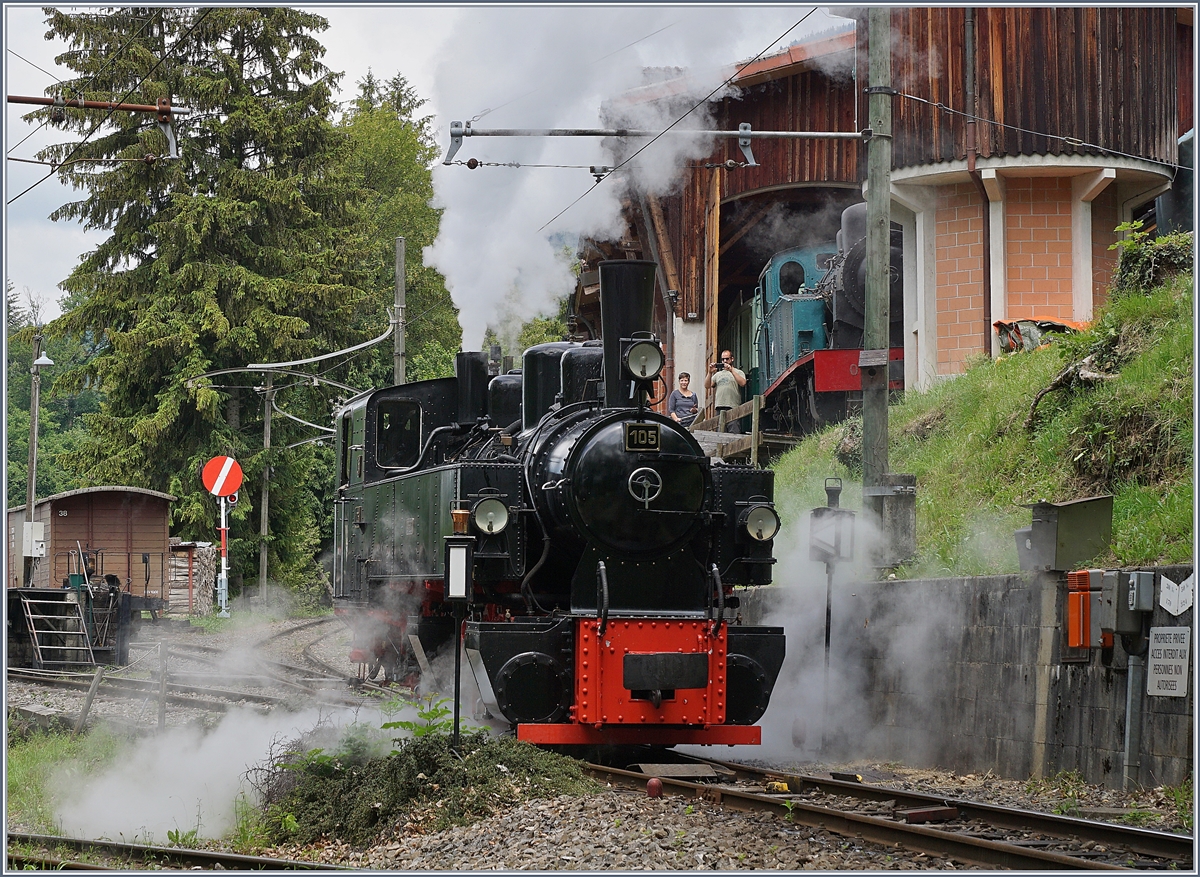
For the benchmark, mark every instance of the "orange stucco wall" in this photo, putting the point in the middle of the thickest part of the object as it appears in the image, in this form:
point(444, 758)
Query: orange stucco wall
point(959, 257)
point(1037, 228)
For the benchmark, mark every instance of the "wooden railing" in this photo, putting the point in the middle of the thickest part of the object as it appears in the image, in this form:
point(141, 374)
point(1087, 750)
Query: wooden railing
point(740, 444)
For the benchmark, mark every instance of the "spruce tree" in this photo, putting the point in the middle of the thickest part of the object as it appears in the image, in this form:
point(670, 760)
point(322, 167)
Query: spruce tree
point(243, 250)
point(392, 150)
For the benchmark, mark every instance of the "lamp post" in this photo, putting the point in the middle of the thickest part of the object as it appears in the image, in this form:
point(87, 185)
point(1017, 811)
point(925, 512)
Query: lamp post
point(39, 359)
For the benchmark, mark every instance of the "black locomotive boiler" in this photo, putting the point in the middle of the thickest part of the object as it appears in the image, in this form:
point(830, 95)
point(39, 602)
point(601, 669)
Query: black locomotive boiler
point(605, 544)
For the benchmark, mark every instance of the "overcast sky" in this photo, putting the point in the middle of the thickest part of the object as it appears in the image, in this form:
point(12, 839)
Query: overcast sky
point(554, 64)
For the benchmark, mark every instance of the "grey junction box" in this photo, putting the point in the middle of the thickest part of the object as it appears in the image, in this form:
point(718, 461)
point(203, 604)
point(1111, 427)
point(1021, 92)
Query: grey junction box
point(1065, 535)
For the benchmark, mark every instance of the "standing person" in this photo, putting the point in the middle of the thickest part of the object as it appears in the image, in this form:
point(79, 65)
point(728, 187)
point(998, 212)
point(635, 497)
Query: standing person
point(726, 381)
point(683, 405)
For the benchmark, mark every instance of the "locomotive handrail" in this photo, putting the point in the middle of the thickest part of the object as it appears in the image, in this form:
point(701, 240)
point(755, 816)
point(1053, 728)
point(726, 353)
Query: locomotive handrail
point(428, 442)
point(716, 628)
point(672, 458)
point(602, 588)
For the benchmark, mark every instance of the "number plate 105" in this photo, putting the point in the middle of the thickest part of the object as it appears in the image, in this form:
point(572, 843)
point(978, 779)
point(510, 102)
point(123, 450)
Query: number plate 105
point(642, 437)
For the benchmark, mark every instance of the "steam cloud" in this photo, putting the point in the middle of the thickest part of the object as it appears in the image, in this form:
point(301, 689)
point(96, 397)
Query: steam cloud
point(839, 716)
point(183, 780)
point(497, 259)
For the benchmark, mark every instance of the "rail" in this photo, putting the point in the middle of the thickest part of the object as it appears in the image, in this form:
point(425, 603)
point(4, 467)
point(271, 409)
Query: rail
point(123, 853)
point(888, 832)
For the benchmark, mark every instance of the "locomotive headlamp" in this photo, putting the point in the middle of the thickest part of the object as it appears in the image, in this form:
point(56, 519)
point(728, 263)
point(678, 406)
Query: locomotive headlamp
point(644, 360)
point(761, 522)
point(490, 515)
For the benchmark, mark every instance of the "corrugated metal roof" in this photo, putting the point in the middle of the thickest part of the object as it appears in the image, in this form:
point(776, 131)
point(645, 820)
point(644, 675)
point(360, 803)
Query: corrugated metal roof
point(795, 58)
point(798, 57)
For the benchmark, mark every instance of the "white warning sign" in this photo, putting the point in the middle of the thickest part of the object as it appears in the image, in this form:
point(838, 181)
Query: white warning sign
point(1167, 664)
point(1176, 599)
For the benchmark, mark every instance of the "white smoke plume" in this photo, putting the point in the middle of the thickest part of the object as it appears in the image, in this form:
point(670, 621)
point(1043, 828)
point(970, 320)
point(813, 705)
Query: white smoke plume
point(884, 639)
point(500, 242)
point(190, 778)
point(186, 779)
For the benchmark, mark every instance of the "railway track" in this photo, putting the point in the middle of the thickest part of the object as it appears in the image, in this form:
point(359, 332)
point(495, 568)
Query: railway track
point(971, 832)
point(265, 683)
point(49, 852)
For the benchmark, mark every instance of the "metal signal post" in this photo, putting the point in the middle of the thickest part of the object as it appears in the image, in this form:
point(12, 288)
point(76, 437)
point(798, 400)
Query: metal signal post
point(222, 476)
point(223, 577)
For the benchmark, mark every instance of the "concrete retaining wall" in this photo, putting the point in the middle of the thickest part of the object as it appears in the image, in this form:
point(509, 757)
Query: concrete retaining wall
point(969, 674)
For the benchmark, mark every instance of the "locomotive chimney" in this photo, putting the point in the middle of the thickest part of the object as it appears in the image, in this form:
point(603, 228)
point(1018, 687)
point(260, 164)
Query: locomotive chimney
point(626, 306)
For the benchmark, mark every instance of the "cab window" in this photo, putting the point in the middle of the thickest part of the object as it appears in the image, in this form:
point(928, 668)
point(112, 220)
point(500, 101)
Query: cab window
point(791, 278)
point(397, 433)
point(344, 469)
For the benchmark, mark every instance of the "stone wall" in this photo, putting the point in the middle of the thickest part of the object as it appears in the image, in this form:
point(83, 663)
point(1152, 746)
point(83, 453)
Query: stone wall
point(969, 674)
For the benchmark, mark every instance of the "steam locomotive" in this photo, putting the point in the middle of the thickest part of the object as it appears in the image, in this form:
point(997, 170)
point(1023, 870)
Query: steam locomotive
point(804, 360)
point(604, 546)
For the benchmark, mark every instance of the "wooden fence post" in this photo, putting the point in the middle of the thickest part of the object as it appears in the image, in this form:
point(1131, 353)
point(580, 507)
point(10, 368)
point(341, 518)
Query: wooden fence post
point(87, 703)
point(754, 421)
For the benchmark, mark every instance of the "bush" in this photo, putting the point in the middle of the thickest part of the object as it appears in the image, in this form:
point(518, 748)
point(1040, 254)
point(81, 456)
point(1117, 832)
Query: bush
point(424, 785)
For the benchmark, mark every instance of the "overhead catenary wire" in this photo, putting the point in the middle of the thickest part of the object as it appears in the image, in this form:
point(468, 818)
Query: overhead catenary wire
point(1070, 141)
point(174, 47)
point(692, 109)
point(36, 67)
point(78, 91)
point(145, 159)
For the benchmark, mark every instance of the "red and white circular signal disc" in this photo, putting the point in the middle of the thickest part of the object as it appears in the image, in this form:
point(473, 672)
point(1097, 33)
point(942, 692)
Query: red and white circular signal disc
point(222, 476)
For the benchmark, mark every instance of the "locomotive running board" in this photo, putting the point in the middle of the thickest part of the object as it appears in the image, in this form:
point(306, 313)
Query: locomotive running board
point(632, 735)
point(835, 370)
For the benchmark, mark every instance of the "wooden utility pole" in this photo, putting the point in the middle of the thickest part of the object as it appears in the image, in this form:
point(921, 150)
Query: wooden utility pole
point(264, 499)
point(873, 360)
point(35, 385)
point(398, 342)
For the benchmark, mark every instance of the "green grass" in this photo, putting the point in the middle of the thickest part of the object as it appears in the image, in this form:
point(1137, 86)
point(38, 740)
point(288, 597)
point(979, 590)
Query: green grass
point(1183, 797)
point(37, 765)
point(976, 462)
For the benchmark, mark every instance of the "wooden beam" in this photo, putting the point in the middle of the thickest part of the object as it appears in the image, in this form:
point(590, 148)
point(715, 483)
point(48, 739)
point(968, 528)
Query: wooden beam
point(712, 261)
point(666, 254)
point(746, 225)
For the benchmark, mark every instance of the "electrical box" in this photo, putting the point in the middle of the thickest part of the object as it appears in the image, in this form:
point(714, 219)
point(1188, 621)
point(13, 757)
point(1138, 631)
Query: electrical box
point(1090, 608)
point(1064, 535)
point(1108, 600)
point(1135, 598)
point(33, 539)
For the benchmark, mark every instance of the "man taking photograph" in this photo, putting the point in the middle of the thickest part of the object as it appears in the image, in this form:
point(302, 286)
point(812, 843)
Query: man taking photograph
point(726, 382)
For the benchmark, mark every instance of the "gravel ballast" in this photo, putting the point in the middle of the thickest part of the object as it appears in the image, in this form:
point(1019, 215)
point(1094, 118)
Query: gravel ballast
point(612, 829)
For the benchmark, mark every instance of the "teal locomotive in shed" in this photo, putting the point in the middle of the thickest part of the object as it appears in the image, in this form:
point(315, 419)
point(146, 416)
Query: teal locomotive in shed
point(807, 317)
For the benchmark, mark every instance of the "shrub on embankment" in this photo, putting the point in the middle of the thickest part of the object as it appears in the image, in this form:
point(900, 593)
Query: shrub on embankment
point(1118, 420)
